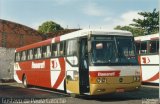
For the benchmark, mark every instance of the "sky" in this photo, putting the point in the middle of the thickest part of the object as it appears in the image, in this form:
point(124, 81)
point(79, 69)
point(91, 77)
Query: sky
point(101, 14)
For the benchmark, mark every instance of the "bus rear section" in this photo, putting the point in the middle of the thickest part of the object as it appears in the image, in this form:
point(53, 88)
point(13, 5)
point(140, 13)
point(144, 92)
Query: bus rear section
point(148, 53)
point(90, 62)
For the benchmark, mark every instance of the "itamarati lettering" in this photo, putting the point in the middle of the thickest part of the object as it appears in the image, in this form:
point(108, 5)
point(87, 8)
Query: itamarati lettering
point(106, 74)
point(38, 65)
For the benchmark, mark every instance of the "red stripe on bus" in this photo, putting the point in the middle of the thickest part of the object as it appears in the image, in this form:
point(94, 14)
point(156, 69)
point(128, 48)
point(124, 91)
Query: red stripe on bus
point(155, 77)
point(155, 38)
point(105, 73)
point(39, 44)
point(62, 73)
point(57, 39)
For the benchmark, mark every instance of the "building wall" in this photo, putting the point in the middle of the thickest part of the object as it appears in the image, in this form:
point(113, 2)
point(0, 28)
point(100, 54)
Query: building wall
point(6, 63)
point(13, 35)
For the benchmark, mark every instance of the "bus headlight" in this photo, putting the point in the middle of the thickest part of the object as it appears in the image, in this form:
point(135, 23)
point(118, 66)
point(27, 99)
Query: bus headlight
point(98, 80)
point(136, 78)
point(101, 80)
point(104, 80)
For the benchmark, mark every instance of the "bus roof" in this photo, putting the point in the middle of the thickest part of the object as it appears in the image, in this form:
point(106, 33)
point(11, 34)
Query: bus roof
point(75, 34)
point(147, 37)
point(85, 32)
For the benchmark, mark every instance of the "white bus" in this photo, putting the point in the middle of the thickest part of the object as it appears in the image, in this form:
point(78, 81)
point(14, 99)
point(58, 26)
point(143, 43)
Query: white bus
point(148, 50)
point(89, 62)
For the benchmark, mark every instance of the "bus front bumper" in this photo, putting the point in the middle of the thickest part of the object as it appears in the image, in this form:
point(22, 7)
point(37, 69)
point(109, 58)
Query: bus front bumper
point(98, 89)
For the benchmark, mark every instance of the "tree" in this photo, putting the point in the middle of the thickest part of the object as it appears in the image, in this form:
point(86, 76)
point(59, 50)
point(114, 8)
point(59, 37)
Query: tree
point(150, 23)
point(49, 26)
point(135, 31)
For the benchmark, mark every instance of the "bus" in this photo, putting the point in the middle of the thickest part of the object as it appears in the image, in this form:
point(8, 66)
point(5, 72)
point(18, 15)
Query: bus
point(148, 53)
point(85, 62)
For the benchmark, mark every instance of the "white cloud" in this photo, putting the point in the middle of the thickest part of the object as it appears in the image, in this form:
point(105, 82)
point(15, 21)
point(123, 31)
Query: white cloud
point(93, 9)
point(129, 16)
point(108, 22)
point(122, 20)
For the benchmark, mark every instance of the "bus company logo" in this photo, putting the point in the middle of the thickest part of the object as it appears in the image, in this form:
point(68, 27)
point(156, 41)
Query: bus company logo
point(54, 64)
point(145, 60)
point(106, 74)
point(38, 65)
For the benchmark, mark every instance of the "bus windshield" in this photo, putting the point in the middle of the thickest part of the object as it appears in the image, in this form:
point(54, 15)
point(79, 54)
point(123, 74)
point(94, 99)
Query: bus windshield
point(113, 50)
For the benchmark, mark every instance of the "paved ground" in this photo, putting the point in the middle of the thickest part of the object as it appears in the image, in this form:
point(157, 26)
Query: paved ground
point(12, 93)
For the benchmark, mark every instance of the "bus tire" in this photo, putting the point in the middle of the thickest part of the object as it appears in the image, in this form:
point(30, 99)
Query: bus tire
point(24, 81)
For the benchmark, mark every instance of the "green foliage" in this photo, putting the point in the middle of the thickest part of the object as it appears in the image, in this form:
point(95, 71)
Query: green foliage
point(148, 25)
point(135, 31)
point(49, 26)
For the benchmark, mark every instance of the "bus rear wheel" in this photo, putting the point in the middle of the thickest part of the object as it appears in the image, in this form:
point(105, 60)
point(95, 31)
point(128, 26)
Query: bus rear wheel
point(25, 84)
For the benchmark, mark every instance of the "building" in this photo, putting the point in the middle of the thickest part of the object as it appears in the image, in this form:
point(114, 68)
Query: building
point(13, 35)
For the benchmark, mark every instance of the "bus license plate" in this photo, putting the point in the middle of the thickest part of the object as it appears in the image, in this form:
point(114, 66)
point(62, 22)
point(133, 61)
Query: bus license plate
point(120, 90)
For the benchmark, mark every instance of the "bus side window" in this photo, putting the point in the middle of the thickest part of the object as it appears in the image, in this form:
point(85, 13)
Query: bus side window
point(54, 50)
point(46, 51)
point(23, 57)
point(72, 52)
point(30, 54)
point(143, 48)
point(71, 47)
point(61, 49)
point(17, 56)
point(154, 47)
point(37, 53)
point(138, 47)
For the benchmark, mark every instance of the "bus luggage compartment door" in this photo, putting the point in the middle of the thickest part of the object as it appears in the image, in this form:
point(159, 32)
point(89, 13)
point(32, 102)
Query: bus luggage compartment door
point(72, 82)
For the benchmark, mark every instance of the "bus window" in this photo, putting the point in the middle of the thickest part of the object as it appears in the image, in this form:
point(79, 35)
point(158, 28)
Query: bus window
point(154, 46)
point(143, 48)
point(54, 50)
point(37, 53)
point(30, 54)
point(138, 47)
point(71, 47)
point(23, 57)
point(61, 49)
point(46, 50)
point(17, 56)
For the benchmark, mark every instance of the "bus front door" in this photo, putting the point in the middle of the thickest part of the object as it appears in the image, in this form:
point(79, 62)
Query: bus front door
point(83, 66)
